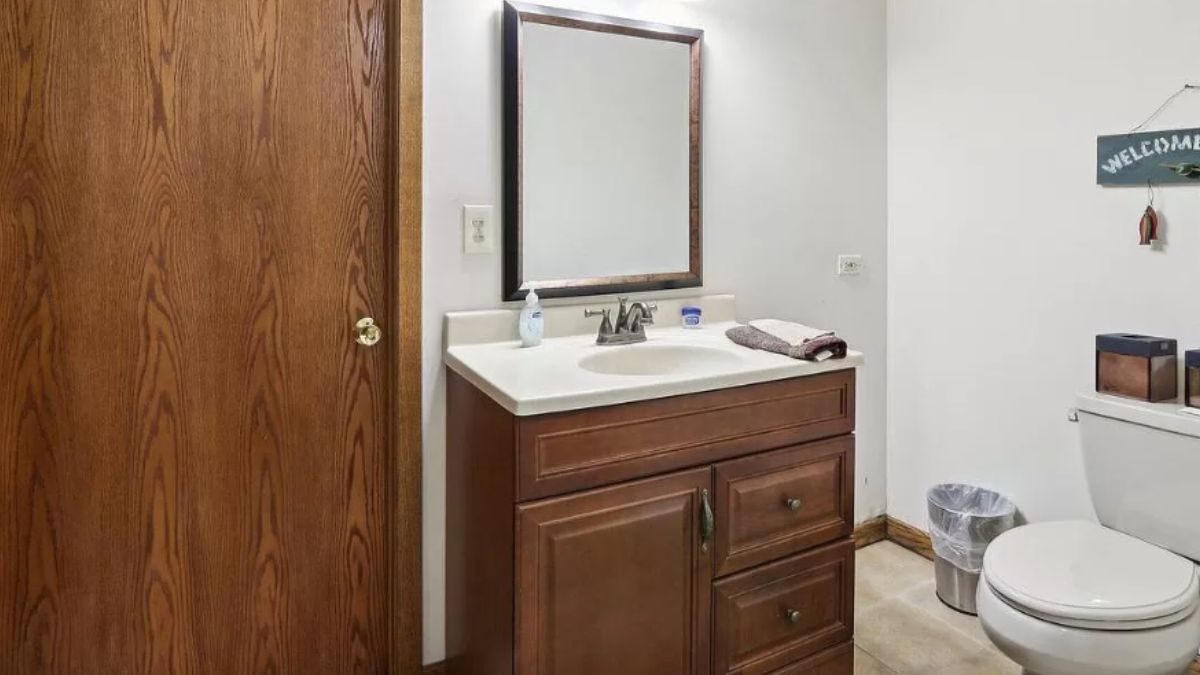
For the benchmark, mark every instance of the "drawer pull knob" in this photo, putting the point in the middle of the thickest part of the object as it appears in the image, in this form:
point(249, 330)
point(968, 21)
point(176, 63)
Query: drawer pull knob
point(793, 504)
point(792, 615)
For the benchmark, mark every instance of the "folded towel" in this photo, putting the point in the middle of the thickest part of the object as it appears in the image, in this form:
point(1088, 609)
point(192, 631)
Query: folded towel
point(795, 334)
point(817, 349)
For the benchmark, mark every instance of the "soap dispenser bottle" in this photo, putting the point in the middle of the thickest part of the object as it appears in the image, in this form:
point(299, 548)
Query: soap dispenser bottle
point(531, 325)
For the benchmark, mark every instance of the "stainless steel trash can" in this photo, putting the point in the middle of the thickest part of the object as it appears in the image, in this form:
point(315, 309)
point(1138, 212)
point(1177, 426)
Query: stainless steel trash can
point(963, 520)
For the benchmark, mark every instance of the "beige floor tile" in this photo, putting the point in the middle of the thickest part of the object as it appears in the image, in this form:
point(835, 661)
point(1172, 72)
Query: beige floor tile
point(910, 640)
point(925, 597)
point(901, 627)
point(885, 570)
point(983, 662)
point(865, 664)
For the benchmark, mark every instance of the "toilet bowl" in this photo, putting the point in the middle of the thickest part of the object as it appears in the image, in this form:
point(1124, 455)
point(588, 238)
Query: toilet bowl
point(1118, 597)
point(1069, 598)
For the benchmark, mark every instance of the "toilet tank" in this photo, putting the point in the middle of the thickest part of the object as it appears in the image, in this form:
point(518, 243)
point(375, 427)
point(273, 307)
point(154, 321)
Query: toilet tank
point(1143, 469)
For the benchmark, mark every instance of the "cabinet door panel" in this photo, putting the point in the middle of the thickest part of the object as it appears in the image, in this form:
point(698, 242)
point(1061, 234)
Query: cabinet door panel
point(615, 580)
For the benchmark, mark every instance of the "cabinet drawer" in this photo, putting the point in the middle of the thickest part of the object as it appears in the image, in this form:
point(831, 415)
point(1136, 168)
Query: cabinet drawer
point(564, 452)
point(783, 502)
point(836, 661)
point(775, 615)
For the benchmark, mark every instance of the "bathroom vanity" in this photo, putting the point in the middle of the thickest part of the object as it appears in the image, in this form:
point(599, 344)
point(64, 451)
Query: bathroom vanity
point(680, 506)
point(663, 502)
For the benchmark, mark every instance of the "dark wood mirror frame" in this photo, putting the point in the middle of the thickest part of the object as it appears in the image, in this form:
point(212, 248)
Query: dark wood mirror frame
point(516, 14)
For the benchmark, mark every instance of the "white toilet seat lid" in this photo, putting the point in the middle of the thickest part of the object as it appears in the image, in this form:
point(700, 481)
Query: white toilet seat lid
point(1082, 572)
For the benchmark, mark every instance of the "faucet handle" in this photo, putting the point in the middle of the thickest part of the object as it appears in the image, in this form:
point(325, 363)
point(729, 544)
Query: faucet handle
point(648, 315)
point(606, 327)
point(651, 308)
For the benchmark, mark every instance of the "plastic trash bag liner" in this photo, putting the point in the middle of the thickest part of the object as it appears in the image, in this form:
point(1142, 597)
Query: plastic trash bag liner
point(964, 519)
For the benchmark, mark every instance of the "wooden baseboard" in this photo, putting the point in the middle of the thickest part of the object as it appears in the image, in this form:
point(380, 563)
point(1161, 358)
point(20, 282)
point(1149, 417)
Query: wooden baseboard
point(438, 668)
point(893, 529)
point(871, 531)
point(912, 538)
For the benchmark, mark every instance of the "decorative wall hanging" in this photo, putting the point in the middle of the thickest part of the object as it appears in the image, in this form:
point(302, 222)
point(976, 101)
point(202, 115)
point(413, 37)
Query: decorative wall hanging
point(1156, 157)
point(1148, 227)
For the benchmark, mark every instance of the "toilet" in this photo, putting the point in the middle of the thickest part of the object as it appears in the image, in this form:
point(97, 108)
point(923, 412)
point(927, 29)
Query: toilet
point(1121, 597)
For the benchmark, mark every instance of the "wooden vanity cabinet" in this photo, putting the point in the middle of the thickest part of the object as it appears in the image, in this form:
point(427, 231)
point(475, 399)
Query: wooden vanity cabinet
point(706, 533)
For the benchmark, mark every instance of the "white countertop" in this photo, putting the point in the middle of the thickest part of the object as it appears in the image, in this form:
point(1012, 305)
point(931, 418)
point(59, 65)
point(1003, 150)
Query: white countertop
point(548, 378)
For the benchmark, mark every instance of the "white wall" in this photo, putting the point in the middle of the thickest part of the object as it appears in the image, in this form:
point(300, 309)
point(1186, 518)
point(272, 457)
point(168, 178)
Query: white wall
point(794, 173)
point(1005, 258)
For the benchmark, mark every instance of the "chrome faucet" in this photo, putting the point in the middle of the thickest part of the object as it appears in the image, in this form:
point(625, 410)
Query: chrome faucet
point(630, 325)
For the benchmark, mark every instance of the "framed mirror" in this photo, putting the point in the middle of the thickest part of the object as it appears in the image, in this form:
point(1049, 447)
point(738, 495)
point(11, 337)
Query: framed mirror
point(601, 154)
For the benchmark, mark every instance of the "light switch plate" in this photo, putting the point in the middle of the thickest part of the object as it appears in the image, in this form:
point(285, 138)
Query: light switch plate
point(849, 265)
point(479, 233)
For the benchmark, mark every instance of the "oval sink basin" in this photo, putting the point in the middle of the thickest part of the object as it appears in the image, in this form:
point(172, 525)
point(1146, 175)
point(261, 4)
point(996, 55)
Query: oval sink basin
point(657, 359)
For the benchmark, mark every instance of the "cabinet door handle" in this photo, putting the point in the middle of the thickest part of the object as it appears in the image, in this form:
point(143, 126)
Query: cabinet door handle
point(792, 615)
point(707, 521)
point(793, 504)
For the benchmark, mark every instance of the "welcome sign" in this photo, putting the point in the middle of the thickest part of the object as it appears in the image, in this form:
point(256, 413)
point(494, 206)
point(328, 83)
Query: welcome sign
point(1156, 157)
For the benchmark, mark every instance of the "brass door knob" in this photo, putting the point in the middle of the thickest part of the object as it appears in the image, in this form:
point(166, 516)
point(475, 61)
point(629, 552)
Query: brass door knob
point(792, 504)
point(792, 615)
point(367, 332)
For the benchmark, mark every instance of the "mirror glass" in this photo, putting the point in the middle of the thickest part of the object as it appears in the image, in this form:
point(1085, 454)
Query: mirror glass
point(602, 154)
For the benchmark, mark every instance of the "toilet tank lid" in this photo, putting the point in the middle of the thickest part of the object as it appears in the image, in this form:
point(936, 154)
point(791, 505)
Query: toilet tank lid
point(1165, 416)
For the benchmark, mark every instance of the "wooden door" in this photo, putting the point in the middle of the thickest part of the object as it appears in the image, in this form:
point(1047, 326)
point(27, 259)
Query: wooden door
point(194, 451)
point(616, 580)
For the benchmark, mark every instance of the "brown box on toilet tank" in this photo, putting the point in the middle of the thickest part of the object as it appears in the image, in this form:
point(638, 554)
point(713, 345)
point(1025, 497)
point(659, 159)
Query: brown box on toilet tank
point(1143, 367)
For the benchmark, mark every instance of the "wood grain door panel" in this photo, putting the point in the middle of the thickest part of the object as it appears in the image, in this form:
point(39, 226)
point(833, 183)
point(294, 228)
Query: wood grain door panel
point(563, 452)
point(615, 581)
point(757, 520)
point(754, 628)
point(194, 452)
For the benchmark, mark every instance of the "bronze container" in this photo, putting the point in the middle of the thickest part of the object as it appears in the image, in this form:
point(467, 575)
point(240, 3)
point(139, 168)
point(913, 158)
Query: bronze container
point(1142, 367)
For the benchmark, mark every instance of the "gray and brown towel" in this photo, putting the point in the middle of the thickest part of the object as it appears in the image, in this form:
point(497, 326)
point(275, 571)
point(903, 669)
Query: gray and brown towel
point(809, 350)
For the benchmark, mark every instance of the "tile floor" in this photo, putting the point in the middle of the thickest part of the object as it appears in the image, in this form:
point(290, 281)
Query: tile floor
point(901, 627)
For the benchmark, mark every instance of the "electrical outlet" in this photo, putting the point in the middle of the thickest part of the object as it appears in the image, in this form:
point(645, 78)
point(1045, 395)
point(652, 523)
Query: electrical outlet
point(478, 234)
point(848, 265)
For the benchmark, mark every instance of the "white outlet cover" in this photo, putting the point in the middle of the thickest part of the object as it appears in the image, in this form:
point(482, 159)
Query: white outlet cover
point(849, 265)
point(479, 232)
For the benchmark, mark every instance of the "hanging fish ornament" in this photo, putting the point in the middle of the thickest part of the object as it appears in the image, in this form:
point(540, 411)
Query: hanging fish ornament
point(1148, 228)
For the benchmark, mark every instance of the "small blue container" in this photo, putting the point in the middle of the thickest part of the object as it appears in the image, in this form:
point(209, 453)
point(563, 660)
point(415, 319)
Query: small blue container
point(691, 316)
